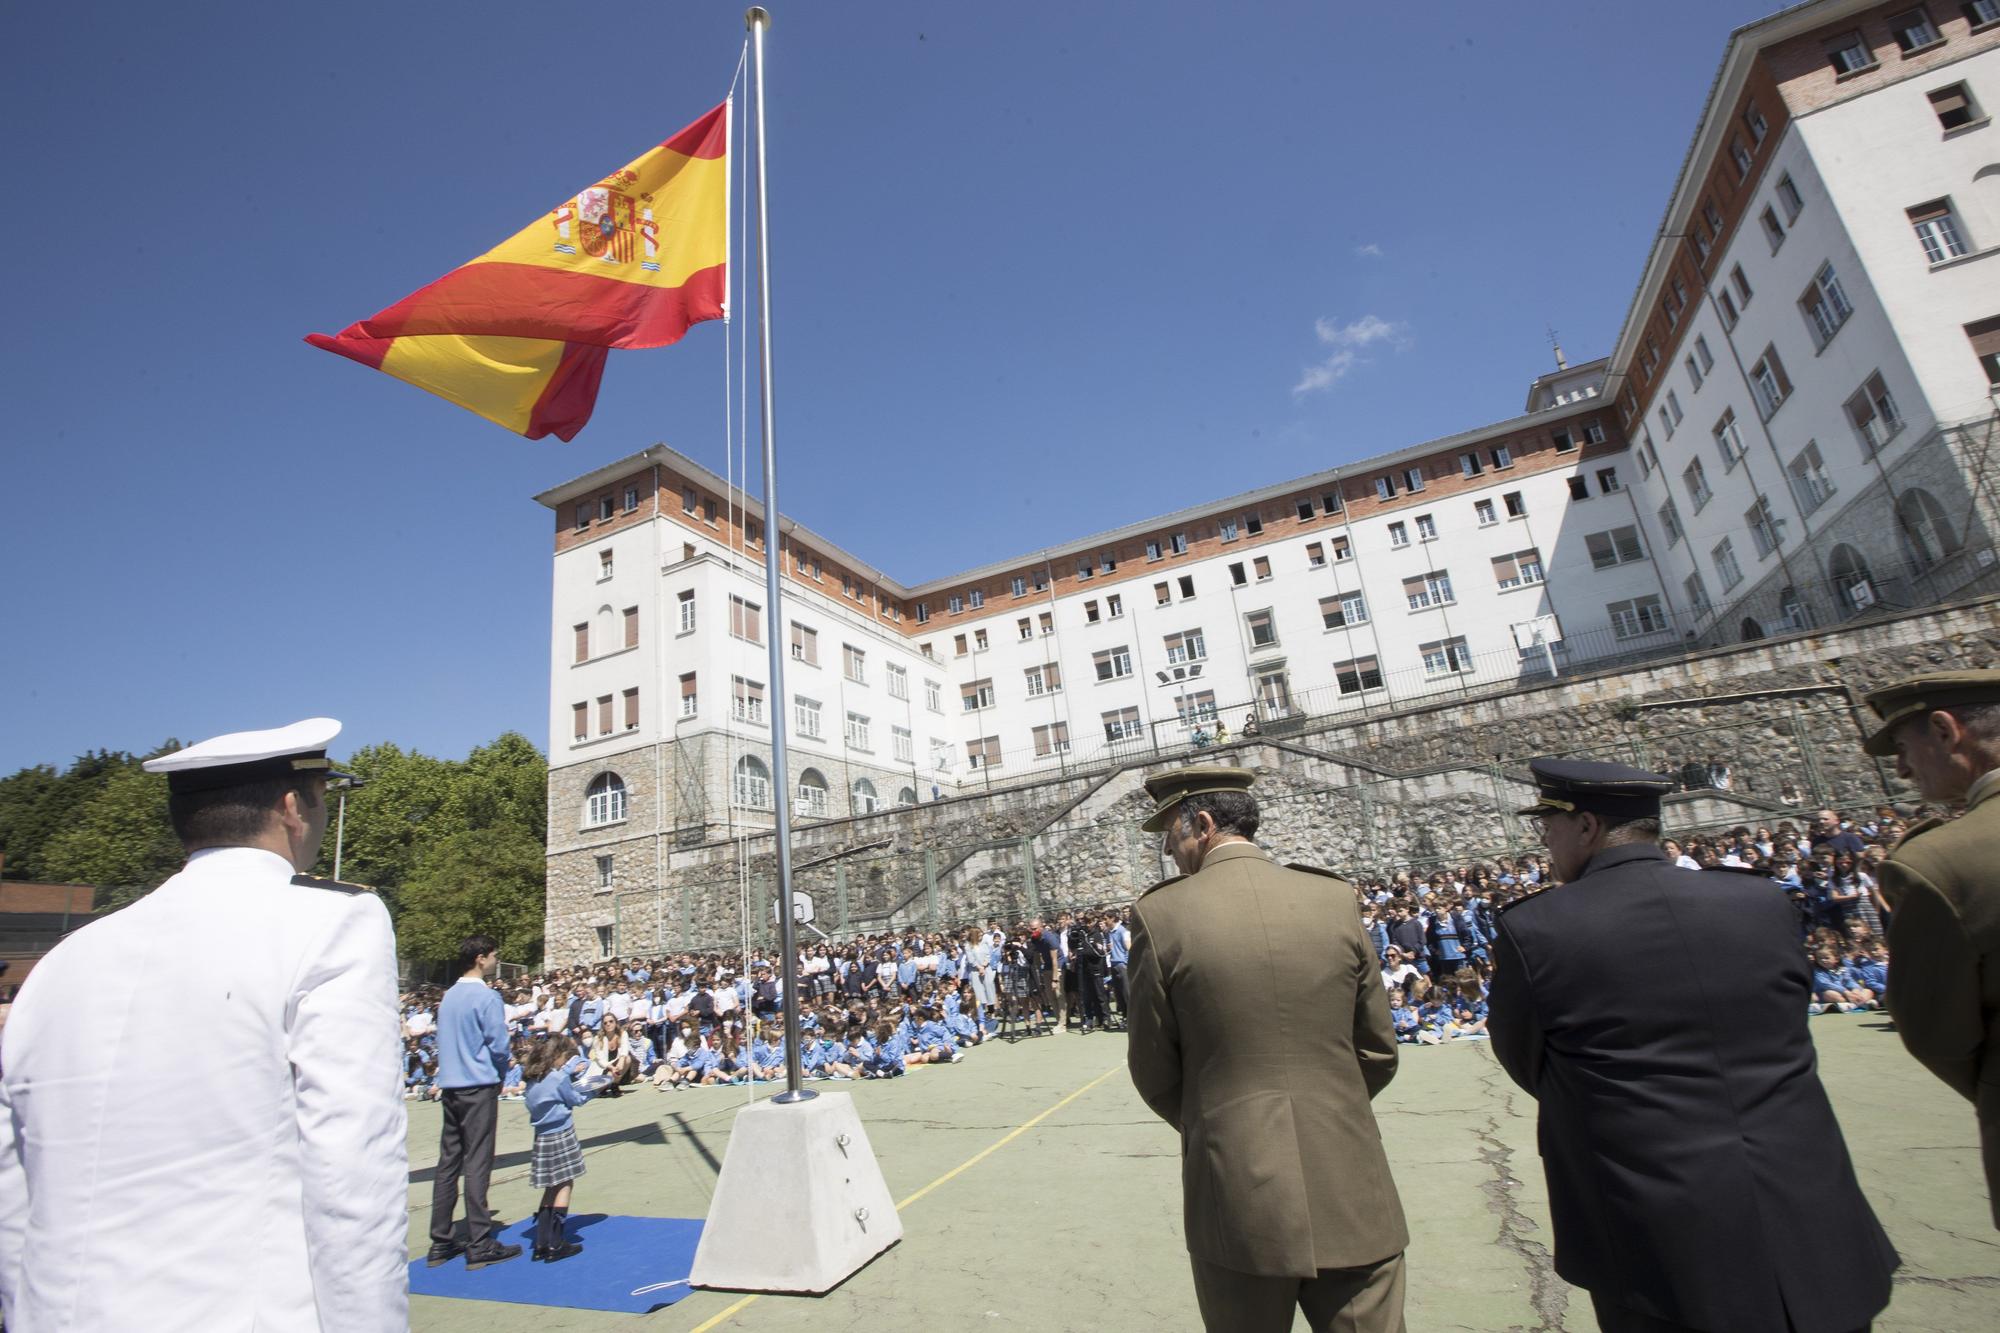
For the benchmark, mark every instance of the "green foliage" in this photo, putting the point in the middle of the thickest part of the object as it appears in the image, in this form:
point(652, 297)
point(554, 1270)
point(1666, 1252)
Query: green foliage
point(477, 881)
point(37, 803)
point(119, 840)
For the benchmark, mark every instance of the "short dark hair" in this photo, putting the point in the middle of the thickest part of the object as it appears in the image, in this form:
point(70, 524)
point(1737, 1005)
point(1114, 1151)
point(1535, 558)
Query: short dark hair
point(233, 816)
point(473, 948)
point(1233, 811)
point(1633, 830)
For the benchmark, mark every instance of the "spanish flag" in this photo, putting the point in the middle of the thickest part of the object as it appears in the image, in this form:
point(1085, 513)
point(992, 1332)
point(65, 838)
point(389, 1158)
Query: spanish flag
point(519, 334)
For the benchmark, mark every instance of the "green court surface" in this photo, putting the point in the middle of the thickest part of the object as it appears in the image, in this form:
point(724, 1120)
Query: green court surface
point(1075, 1221)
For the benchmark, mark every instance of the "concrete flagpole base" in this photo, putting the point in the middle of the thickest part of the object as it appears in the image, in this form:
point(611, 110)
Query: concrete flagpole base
point(800, 1204)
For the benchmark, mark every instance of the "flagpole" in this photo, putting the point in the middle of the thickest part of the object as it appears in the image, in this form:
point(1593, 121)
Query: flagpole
point(757, 20)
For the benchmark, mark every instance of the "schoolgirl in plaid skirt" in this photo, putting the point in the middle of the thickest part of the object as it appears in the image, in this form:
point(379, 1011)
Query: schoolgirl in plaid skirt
point(558, 1156)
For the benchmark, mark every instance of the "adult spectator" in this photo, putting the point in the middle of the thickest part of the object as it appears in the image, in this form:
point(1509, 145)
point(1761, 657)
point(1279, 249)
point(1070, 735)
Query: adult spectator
point(1688, 1142)
point(1942, 887)
point(1827, 832)
point(472, 1058)
point(1260, 1030)
point(200, 1120)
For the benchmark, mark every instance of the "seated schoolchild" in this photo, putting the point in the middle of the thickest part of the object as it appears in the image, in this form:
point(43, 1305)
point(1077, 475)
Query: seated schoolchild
point(887, 1058)
point(1468, 1011)
point(850, 1058)
point(694, 1066)
point(1433, 1018)
point(964, 1030)
point(935, 1039)
point(1403, 1016)
point(1872, 966)
point(1835, 987)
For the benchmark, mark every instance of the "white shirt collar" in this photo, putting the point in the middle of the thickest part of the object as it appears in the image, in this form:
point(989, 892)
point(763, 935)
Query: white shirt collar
point(242, 856)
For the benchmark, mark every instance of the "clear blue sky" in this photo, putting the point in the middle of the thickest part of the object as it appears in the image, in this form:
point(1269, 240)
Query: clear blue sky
point(1039, 270)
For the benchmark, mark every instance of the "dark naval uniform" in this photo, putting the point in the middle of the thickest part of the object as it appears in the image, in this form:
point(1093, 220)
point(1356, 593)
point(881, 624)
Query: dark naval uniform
point(1658, 1015)
point(1260, 1030)
point(1942, 885)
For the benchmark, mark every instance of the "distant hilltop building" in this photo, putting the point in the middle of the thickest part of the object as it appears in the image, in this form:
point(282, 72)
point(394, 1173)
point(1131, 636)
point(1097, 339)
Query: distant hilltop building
point(1795, 427)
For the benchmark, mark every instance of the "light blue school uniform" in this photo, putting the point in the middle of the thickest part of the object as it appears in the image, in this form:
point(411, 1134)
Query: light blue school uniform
point(1874, 975)
point(961, 1025)
point(1120, 945)
point(700, 1059)
point(549, 1101)
point(935, 1036)
point(906, 972)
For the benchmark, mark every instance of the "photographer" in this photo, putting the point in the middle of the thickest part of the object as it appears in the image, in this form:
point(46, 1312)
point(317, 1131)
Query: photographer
point(1087, 948)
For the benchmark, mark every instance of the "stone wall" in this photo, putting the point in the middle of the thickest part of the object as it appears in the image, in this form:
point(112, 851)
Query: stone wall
point(1416, 787)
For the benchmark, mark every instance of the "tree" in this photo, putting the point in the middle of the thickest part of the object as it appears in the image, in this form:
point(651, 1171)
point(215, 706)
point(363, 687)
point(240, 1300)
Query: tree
point(38, 803)
point(477, 881)
point(409, 801)
point(120, 840)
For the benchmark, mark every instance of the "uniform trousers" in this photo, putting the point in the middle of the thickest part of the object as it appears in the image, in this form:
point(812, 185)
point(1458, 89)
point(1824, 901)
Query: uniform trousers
point(1618, 1319)
point(465, 1147)
point(1336, 1300)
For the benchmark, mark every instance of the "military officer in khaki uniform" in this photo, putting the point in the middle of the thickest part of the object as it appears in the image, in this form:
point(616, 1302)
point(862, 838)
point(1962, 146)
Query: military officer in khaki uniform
point(1942, 884)
point(1260, 1030)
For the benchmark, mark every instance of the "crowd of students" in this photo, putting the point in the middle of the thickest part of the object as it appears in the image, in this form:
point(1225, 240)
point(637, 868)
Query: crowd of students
point(879, 1006)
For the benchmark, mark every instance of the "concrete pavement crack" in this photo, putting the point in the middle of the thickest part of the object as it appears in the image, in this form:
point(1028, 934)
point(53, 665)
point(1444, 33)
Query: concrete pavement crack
point(1548, 1293)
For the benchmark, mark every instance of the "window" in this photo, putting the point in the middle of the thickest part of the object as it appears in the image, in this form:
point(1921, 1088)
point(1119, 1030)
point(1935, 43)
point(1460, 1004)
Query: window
point(1516, 506)
point(976, 694)
point(1979, 13)
point(954, 603)
point(1713, 217)
point(1024, 628)
point(933, 696)
point(1741, 284)
point(864, 801)
point(1399, 534)
point(1873, 412)
point(1413, 479)
point(1253, 524)
point(1226, 529)
point(582, 633)
point(1178, 543)
point(983, 753)
point(1914, 30)
point(1753, 120)
point(978, 640)
point(1739, 153)
point(1726, 568)
point(1385, 488)
point(1304, 509)
point(857, 732)
point(960, 645)
point(580, 716)
point(1696, 480)
point(1728, 441)
point(604, 866)
point(582, 515)
point(975, 599)
point(1648, 460)
point(1518, 570)
point(1084, 569)
point(1262, 565)
point(746, 619)
point(1112, 663)
point(1607, 480)
point(1774, 231)
point(1186, 582)
point(1927, 534)
point(806, 717)
point(604, 564)
point(1237, 576)
point(1811, 487)
point(1342, 549)
point(854, 663)
point(607, 508)
point(1186, 646)
point(1195, 709)
point(631, 698)
point(1315, 555)
point(1483, 511)
point(1677, 299)
point(1469, 464)
point(1579, 488)
point(1446, 657)
point(1768, 383)
point(631, 627)
point(1619, 546)
point(1051, 739)
point(631, 498)
point(1852, 577)
point(1163, 594)
point(1503, 457)
point(1670, 523)
point(1984, 335)
point(690, 702)
point(1343, 609)
point(604, 715)
point(1670, 413)
point(708, 511)
point(1091, 614)
point(1938, 231)
point(1697, 593)
point(1763, 525)
point(1694, 372)
point(1427, 530)
point(805, 644)
point(1044, 679)
point(1849, 54)
point(1154, 551)
point(747, 703)
point(923, 613)
point(1651, 359)
point(753, 531)
point(688, 500)
point(604, 800)
point(1789, 198)
point(1040, 578)
point(1825, 306)
point(1726, 303)
point(1106, 564)
point(812, 794)
point(1955, 108)
point(1428, 590)
point(1018, 586)
point(1046, 622)
point(607, 941)
point(1122, 724)
point(1563, 439)
point(899, 682)
point(1641, 615)
point(1358, 674)
point(1274, 695)
point(1262, 628)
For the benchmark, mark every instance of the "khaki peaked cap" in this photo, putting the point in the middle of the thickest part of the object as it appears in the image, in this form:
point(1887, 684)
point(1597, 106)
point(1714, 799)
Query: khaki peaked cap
point(1170, 789)
point(1920, 695)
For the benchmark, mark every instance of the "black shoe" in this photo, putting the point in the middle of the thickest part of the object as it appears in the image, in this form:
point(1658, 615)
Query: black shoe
point(491, 1252)
point(443, 1254)
point(564, 1248)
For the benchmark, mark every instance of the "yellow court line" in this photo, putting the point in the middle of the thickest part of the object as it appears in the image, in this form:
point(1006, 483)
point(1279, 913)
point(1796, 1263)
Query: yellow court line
point(965, 1165)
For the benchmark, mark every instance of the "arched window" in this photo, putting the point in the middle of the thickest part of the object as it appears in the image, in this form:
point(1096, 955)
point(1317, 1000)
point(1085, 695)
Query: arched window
point(1793, 608)
point(812, 794)
point(907, 796)
point(1750, 630)
point(752, 789)
point(1926, 530)
point(1852, 579)
point(865, 799)
point(604, 802)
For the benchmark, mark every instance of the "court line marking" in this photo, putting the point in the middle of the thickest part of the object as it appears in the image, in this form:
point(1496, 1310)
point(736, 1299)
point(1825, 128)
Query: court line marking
point(964, 1166)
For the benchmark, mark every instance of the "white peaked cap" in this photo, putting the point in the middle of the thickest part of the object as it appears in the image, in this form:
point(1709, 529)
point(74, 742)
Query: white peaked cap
point(250, 756)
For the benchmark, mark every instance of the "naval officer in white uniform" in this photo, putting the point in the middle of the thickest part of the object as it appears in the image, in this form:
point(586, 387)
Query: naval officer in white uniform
point(201, 1126)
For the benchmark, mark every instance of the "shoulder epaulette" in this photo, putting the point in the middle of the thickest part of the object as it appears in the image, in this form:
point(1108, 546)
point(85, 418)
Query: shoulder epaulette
point(1528, 897)
point(1171, 879)
point(337, 886)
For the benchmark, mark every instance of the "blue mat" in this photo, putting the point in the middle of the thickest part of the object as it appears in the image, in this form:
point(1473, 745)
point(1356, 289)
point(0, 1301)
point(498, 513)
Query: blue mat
point(620, 1256)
